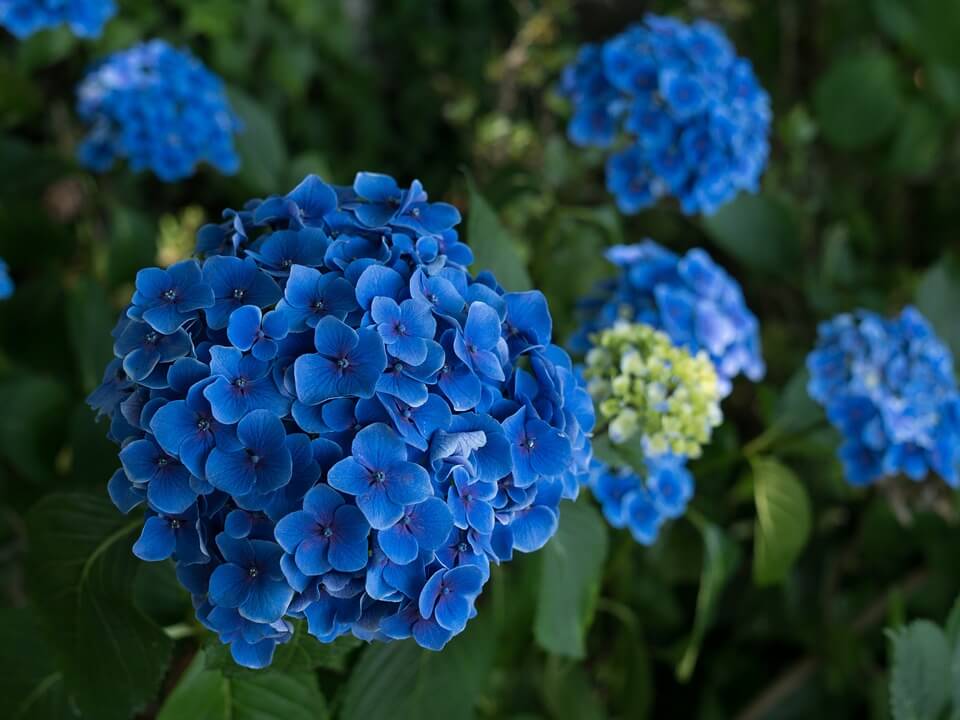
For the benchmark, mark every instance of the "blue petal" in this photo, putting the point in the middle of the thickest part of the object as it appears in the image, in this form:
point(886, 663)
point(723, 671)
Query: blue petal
point(156, 541)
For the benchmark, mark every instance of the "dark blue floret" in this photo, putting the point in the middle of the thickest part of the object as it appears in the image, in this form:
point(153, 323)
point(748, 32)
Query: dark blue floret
point(328, 418)
point(888, 387)
point(159, 108)
point(85, 18)
point(683, 115)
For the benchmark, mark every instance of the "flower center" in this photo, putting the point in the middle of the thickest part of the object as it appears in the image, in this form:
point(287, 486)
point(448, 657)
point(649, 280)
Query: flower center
point(170, 294)
point(152, 337)
point(343, 363)
point(379, 476)
point(286, 262)
point(238, 293)
point(240, 382)
point(462, 547)
point(318, 305)
point(327, 532)
point(175, 524)
point(398, 367)
point(530, 443)
point(203, 424)
point(162, 461)
point(253, 572)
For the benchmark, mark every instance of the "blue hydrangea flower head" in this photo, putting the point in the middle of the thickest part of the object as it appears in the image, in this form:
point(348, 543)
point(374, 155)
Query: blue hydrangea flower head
point(328, 418)
point(692, 299)
point(85, 18)
point(682, 115)
point(6, 282)
point(159, 108)
point(643, 504)
point(888, 386)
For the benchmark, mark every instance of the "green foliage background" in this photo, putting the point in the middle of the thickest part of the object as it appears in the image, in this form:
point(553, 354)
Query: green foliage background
point(768, 600)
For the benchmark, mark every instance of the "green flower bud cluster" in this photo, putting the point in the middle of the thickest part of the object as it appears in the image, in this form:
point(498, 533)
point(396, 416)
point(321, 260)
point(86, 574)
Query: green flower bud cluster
point(644, 385)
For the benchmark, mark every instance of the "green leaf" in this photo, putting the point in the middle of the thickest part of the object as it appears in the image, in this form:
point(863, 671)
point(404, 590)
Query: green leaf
point(206, 694)
point(32, 687)
point(263, 154)
point(90, 319)
point(402, 681)
point(858, 101)
point(938, 27)
point(493, 247)
point(79, 572)
point(783, 520)
point(952, 626)
point(133, 245)
point(760, 231)
point(897, 20)
point(938, 297)
point(918, 145)
point(32, 424)
point(568, 692)
point(920, 671)
point(302, 653)
point(572, 568)
point(721, 557)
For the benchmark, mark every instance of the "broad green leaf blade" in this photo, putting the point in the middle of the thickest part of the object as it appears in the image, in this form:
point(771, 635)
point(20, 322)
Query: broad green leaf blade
point(721, 557)
point(35, 409)
point(493, 247)
point(207, 694)
point(80, 570)
point(402, 681)
point(572, 568)
point(760, 231)
point(783, 520)
point(301, 654)
point(920, 671)
point(859, 100)
point(31, 685)
point(938, 297)
point(90, 320)
point(918, 145)
point(263, 154)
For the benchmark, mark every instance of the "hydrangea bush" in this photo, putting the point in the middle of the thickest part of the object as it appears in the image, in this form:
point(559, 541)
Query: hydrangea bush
point(159, 108)
point(888, 386)
point(683, 114)
point(85, 18)
point(328, 417)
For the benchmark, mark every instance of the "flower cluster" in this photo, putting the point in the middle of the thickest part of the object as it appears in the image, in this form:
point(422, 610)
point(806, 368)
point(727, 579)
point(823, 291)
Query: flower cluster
point(645, 386)
point(888, 386)
point(6, 282)
point(685, 114)
point(691, 298)
point(643, 504)
point(161, 109)
point(329, 418)
point(86, 18)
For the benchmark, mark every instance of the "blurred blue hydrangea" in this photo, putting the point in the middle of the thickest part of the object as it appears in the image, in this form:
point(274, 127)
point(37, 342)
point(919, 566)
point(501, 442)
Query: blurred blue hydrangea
point(86, 18)
point(643, 504)
point(159, 108)
point(888, 386)
point(6, 282)
point(691, 298)
point(684, 115)
point(329, 418)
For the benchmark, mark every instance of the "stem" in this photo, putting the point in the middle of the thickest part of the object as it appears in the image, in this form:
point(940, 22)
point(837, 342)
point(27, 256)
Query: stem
point(798, 674)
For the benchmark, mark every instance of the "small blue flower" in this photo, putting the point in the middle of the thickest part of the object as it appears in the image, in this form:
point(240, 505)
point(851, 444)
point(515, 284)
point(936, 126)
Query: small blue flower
point(236, 283)
point(143, 348)
point(250, 579)
point(448, 596)
point(404, 328)
point(694, 115)
point(6, 282)
point(311, 295)
point(241, 384)
point(158, 107)
point(326, 535)
point(476, 346)
point(251, 331)
point(261, 464)
point(85, 18)
point(166, 479)
point(538, 449)
point(380, 476)
point(166, 535)
point(168, 299)
point(347, 363)
point(469, 502)
point(423, 526)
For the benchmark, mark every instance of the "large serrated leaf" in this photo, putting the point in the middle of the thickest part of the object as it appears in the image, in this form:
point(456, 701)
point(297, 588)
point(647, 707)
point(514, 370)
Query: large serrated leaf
point(80, 569)
point(402, 681)
point(493, 247)
point(207, 694)
point(783, 520)
point(570, 580)
point(920, 671)
point(32, 687)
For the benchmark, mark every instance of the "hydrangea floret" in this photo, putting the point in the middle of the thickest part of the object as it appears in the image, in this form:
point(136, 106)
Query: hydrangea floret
point(159, 108)
point(85, 18)
point(888, 386)
point(690, 298)
point(683, 114)
point(6, 282)
point(648, 389)
point(328, 418)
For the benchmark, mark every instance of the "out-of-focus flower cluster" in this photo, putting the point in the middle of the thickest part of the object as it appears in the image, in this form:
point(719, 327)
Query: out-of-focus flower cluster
point(648, 389)
point(6, 282)
point(159, 108)
point(85, 18)
point(888, 386)
point(328, 417)
point(685, 116)
point(691, 298)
